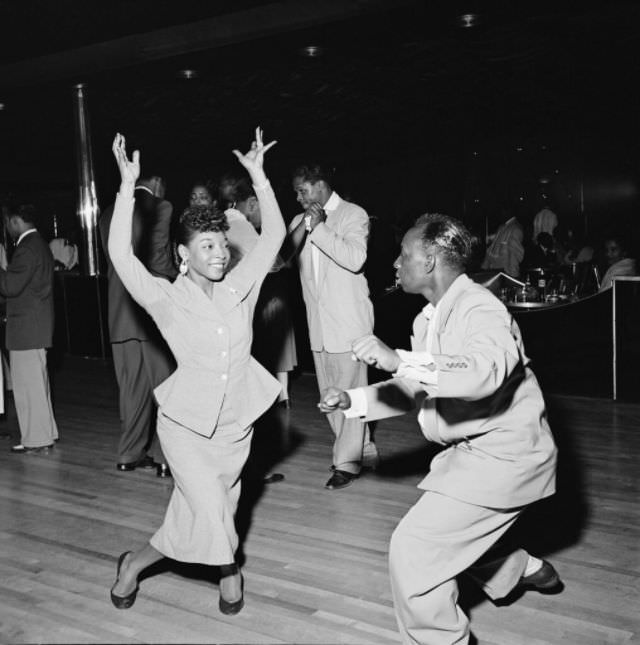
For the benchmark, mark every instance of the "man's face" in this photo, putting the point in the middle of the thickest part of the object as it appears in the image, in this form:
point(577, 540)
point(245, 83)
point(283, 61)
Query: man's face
point(412, 266)
point(10, 224)
point(307, 193)
point(158, 187)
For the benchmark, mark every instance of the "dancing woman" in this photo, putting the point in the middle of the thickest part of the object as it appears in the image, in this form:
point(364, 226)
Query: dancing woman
point(208, 405)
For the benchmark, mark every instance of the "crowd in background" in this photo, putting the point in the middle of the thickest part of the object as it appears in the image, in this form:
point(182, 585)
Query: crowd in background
point(549, 246)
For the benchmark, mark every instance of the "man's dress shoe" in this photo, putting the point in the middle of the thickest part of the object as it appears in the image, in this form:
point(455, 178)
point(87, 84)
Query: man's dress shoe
point(20, 449)
point(145, 462)
point(340, 479)
point(162, 470)
point(122, 602)
point(545, 578)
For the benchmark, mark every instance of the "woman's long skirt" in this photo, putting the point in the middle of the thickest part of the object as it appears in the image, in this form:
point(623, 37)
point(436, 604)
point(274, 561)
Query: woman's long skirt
point(199, 522)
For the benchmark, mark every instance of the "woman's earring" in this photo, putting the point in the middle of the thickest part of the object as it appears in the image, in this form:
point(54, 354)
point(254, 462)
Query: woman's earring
point(183, 267)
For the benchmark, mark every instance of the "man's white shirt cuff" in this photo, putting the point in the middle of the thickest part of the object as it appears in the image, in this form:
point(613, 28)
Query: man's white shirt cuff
point(358, 406)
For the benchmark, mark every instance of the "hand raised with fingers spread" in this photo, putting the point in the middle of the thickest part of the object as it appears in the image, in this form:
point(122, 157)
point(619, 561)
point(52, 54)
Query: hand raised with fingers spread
point(129, 170)
point(254, 158)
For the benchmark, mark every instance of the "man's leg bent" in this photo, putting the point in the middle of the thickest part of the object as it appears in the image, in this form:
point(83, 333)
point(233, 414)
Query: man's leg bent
point(438, 539)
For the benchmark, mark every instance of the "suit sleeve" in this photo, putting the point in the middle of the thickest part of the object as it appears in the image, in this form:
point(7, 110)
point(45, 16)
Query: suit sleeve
point(160, 258)
point(490, 349)
point(250, 272)
point(15, 278)
point(136, 278)
point(348, 249)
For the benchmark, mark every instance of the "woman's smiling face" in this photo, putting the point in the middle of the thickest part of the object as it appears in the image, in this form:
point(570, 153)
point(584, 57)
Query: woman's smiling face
point(207, 255)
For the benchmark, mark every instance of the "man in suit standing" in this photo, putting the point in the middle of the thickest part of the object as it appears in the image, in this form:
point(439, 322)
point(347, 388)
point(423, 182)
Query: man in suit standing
point(141, 358)
point(506, 251)
point(330, 237)
point(27, 284)
point(478, 397)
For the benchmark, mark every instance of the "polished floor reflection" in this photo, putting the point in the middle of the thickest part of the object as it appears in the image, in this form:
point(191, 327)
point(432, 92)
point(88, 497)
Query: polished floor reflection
point(315, 561)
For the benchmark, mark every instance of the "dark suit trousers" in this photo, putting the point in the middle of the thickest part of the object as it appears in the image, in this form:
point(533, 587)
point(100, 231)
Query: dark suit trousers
point(139, 366)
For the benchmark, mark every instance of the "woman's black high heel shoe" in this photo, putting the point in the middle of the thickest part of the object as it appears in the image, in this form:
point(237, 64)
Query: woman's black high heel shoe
point(123, 602)
point(234, 607)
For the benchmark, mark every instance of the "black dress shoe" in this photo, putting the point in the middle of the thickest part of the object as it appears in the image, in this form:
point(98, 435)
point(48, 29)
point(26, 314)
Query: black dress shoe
point(545, 578)
point(127, 465)
point(233, 607)
point(273, 478)
point(145, 462)
point(123, 602)
point(340, 479)
point(162, 470)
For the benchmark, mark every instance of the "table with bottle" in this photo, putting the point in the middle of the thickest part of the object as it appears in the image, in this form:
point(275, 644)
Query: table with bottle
point(551, 287)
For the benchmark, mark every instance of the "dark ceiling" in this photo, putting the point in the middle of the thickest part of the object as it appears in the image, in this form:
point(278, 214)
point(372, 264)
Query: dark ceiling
point(404, 81)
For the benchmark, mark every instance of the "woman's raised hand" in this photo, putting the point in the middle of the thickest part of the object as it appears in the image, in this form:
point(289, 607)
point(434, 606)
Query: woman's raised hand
point(129, 170)
point(254, 159)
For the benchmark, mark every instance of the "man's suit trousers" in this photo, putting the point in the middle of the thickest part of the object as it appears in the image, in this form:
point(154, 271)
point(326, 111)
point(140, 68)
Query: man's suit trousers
point(32, 397)
point(438, 539)
point(140, 366)
point(352, 438)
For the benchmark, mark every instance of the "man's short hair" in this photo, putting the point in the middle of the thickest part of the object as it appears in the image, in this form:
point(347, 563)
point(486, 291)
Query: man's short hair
point(26, 212)
point(314, 172)
point(449, 235)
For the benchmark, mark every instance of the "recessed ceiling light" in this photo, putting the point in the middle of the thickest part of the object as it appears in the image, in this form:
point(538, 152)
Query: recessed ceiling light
point(188, 74)
point(312, 51)
point(467, 20)
point(1, 106)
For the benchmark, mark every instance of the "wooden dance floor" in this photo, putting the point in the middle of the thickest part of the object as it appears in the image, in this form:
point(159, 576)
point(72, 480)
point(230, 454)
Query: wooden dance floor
point(315, 561)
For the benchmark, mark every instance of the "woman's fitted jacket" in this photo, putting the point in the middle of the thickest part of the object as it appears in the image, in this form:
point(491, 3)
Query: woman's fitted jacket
point(209, 337)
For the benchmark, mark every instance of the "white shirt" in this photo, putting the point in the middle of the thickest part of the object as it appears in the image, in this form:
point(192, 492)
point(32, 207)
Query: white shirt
point(27, 232)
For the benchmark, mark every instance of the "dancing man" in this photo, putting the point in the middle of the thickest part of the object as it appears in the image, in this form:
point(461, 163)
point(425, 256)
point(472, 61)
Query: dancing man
point(478, 397)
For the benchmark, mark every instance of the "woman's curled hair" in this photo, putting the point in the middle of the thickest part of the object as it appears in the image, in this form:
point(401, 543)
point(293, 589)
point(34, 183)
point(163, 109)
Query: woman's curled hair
point(199, 219)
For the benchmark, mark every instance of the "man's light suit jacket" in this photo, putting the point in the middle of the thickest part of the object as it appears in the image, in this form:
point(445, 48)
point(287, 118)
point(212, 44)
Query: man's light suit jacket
point(506, 251)
point(487, 407)
point(338, 307)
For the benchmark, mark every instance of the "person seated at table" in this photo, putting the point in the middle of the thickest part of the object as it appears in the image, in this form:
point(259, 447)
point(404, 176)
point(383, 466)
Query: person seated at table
point(616, 254)
point(579, 248)
point(542, 254)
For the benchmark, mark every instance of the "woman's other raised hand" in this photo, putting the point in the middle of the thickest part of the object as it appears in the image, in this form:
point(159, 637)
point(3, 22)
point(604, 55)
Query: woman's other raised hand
point(253, 160)
point(129, 169)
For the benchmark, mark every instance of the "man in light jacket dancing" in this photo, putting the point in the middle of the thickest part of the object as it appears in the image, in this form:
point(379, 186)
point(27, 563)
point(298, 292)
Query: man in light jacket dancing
point(468, 374)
